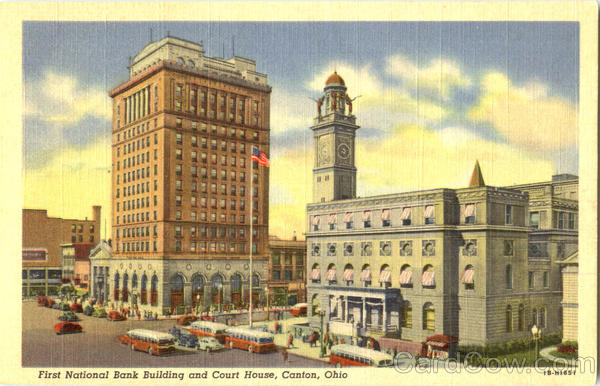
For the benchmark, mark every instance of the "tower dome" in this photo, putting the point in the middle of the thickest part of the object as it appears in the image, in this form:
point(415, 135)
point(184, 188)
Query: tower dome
point(334, 79)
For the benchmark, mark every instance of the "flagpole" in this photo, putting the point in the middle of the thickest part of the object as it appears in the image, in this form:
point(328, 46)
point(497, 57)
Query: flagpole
point(251, 202)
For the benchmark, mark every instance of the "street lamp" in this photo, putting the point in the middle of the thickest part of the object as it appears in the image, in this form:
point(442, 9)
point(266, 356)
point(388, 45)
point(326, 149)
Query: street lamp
point(267, 292)
point(537, 334)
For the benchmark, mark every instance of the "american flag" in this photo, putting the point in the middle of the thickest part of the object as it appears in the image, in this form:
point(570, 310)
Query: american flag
point(260, 157)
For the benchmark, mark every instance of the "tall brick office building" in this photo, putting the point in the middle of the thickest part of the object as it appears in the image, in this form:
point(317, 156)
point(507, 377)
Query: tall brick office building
point(184, 126)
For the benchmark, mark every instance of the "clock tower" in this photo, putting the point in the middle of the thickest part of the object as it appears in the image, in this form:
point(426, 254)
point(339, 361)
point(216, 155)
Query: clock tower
point(334, 130)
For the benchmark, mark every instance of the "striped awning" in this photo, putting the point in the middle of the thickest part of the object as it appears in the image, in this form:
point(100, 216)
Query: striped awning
point(330, 275)
point(366, 215)
point(406, 276)
point(405, 214)
point(429, 211)
point(348, 217)
point(385, 214)
point(315, 274)
point(332, 218)
point(469, 210)
point(428, 278)
point(467, 276)
point(348, 274)
point(385, 276)
point(315, 220)
point(365, 275)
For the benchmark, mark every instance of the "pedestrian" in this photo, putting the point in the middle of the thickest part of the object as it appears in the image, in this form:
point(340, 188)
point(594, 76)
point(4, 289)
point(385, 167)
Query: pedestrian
point(290, 341)
point(311, 339)
point(276, 327)
point(139, 315)
point(330, 343)
point(284, 354)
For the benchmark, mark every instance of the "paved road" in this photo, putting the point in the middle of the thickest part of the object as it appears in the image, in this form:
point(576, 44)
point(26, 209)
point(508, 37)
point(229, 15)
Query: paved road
point(98, 346)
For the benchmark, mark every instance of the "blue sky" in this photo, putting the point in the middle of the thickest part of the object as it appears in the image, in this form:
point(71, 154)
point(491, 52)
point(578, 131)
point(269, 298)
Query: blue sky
point(504, 93)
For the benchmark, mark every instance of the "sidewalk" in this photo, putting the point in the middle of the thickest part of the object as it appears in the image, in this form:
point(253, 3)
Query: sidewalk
point(545, 353)
point(299, 348)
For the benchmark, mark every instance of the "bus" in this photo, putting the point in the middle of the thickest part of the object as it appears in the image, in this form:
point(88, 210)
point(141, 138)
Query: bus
point(248, 339)
point(299, 309)
point(348, 355)
point(152, 342)
point(206, 328)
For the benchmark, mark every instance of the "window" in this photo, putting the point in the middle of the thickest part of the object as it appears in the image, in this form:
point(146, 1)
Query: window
point(177, 169)
point(509, 319)
point(405, 248)
point(366, 248)
point(276, 275)
point(331, 220)
point(561, 220)
point(468, 277)
point(366, 218)
point(406, 315)
point(179, 138)
point(428, 317)
point(470, 248)
point(315, 223)
point(385, 217)
point(385, 248)
point(571, 220)
point(530, 279)
point(428, 247)
point(509, 279)
point(469, 214)
point(429, 215)
point(508, 247)
point(542, 318)
point(508, 218)
point(405, 217)
point(428, 277)
point(545, 279)
point(521, 318)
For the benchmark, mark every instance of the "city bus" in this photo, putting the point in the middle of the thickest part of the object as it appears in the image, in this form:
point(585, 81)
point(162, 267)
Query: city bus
point(152, 342)
point(248, 339)
point(206, 328)
point(299, 309)
point(348, 355)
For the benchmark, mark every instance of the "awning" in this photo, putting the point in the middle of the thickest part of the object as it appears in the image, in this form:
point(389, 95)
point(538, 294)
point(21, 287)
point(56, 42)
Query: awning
point(315, 220)
point(330, 275)
point(348, 274)
point(365, 275)
point(405, 214)
point(315, 274)
point(366, 215)
point(428, 211)
point(469, 210)
point(385, 214)
point(348, 217)
point(428, 278)
point(406, 276)
point(467, 276)
point(385, 276)
point(332, 218)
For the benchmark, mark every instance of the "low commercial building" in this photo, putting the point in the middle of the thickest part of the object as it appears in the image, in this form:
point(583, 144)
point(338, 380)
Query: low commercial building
point(286, 271)
point(42, 240)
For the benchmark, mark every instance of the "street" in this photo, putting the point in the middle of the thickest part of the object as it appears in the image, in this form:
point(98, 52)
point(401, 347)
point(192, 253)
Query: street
point(98, 346)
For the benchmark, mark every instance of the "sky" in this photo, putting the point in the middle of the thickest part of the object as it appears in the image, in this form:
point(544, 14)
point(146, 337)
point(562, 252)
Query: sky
point(434, 97)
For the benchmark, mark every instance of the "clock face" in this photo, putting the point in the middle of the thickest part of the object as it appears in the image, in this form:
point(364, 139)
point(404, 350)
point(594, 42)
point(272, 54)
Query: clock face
point(344, 151)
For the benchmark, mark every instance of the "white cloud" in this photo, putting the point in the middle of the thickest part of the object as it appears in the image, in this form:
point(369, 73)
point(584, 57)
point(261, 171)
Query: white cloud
point(439, 75)
point(61, 100)
point(526, 116)
point(290, 111)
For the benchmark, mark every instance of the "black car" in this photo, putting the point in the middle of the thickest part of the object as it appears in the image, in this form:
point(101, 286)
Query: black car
point(188, 340)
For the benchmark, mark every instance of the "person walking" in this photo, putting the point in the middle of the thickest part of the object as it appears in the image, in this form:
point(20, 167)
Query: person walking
point(276, 327)
point(290, 341)
point(284, 354)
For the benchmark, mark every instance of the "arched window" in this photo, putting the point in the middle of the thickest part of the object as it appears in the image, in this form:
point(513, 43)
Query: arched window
point(521, 317)
point(315, 273)
point(177, 283)
point(534, 317)
point(117, 280)
point(315, 304)
point(116, 289)
point(154, 291)
point(428, 276)
point(217, 289)
point(348, 274)
point(385, 276)
point(542, 317)
point(331, 275)
point(428, 317)
point(236, 283)
point(144, 287)
point(180, 61)
point(255, 281)
point(467, 277)
point(191, 63)
point(509, 280)
point(365, 275)
point(406, 315)
point(134, 281)
point(509, 318)
point(406, 276)
point(197, 289)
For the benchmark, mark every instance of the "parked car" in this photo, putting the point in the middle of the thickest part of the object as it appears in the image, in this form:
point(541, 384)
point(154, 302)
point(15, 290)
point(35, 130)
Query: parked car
point(185, 320)
point(88, 310)
point(176, 332)
point(76, 307)
point(67, 328)
point(68, 316)
point(64, 306)
point(208, 344)
point(188, 340)
point(115, 316)
point(99, 313)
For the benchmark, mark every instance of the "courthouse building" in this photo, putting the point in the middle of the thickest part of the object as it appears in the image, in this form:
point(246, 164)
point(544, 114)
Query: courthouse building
point(42, 240)
point(183, 186)
point(443, 261)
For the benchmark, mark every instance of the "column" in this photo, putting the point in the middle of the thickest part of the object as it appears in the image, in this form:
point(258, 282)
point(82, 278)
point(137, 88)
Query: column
point(384, 316)
point(346, 309)
point(187, 296)
point(363, 315)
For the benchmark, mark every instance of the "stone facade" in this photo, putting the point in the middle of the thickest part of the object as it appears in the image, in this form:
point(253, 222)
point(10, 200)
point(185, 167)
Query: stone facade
point(570, 300)
point(286, 269)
